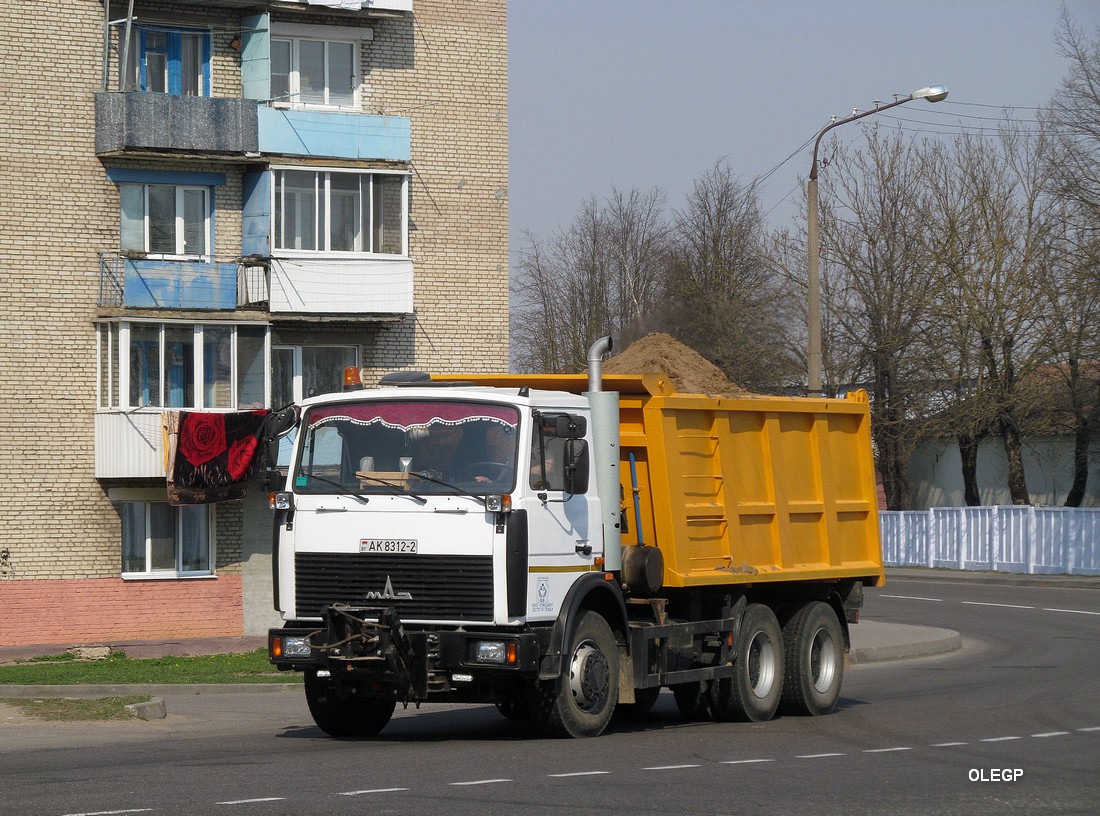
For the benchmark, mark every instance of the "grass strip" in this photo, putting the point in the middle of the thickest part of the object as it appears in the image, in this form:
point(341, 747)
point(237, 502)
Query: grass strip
point(101, 709)
point(247, 667)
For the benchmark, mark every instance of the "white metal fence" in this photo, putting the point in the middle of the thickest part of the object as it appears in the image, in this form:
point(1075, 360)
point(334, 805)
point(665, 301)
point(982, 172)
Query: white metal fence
point(1005, 538)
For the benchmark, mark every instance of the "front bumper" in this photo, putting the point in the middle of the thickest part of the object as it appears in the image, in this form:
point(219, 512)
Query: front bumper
point(372, 646)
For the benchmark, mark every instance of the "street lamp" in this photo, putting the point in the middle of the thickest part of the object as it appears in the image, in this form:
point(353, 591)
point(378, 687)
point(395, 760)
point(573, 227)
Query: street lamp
point(937, 93)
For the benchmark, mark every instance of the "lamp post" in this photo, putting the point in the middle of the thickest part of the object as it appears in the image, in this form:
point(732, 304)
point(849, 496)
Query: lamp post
point(936, 93)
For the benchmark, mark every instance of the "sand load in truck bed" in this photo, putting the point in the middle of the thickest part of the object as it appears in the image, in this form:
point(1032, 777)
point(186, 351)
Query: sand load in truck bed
point(735, 487)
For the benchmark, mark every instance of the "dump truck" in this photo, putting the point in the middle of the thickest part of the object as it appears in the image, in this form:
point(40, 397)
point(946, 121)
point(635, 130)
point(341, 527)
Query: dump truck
point(565, 546)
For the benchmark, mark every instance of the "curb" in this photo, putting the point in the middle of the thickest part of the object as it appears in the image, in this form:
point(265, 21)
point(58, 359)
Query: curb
point(152, 710)
point(1024, 579)
point(906, 642)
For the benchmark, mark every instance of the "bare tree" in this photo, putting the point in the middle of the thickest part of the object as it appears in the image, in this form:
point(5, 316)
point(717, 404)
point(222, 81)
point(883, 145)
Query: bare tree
point(724, 296)
point(876, 286)
point(1074, 117)
point(1071, 291)
point(598, 277)
point(994, 239)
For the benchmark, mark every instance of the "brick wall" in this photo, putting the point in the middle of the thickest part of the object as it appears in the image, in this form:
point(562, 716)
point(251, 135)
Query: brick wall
point(446, 70)
point(105, 610)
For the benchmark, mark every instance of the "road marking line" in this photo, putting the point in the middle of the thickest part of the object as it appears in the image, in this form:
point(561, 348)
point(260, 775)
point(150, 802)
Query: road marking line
point(884, 750)
point(817, 756)
point(1095, 728)
point(1051, 734)
point(1002, 606)
point(913, 598)
point(1072, 611)
point(480, 782)
point(947, 744)
point(578, 773)
point(373, 790)
point(669, 767)
point(251, 801)
point(999, 739)
point(111, 812)
point(743, 761)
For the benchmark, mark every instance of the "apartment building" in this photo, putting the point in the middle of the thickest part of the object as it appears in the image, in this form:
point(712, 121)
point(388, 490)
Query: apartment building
point(218, 206)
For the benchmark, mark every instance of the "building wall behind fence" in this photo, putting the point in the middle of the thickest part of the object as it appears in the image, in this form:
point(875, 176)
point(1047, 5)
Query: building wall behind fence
point(1004, 538)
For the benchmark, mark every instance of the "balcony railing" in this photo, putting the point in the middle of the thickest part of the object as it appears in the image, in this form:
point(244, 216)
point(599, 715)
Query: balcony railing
point(134, 121)
point(138, 283)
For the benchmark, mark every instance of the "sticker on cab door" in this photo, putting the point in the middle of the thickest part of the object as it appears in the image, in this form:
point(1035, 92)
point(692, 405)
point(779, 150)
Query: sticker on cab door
point(542, 601)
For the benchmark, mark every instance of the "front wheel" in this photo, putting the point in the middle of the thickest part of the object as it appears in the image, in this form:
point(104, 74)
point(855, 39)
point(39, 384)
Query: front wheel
point(358, 715)
point(814, 646)
point(580, 704)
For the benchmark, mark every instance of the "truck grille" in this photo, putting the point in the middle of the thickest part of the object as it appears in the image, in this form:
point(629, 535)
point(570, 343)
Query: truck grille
point(442, 587)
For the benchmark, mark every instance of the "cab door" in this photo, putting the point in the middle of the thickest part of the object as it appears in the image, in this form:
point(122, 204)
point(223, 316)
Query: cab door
point(564, 530)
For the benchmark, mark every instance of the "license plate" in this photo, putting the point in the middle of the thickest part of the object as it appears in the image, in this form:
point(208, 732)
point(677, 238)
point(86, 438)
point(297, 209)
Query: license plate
point(404, 546)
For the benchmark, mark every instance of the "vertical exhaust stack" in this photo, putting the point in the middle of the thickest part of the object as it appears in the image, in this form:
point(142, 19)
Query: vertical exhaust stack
point(596, 354)
point(605, 440)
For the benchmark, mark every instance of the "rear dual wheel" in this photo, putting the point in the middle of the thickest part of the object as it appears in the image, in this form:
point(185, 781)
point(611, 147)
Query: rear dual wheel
point(813, 645)
point(752, 694)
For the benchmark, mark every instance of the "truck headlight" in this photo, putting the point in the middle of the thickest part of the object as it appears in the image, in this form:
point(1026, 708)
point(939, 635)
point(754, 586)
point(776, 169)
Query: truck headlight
point(499, 652)
point(296, 646)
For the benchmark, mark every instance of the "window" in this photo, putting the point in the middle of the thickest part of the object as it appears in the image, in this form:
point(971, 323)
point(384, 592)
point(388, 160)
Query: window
point(165, 220)
point(172, 61)
point(331, 211)
point(447, 446)
point(183, 365)
point(314, 72)
point(158, 539)
point(298, 372)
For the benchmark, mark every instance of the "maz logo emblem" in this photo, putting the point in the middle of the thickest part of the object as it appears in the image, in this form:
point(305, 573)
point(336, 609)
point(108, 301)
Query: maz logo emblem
point(387, 593)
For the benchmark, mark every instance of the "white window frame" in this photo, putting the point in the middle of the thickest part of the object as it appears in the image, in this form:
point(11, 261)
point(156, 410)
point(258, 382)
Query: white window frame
point(322, 212)
point(198, 378)
point(124, 496)
point(180, 223)
point(297, 378)
point(295, 35)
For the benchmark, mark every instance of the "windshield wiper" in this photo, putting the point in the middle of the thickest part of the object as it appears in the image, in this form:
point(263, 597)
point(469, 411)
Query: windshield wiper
point(343, 488)
point(458, 490)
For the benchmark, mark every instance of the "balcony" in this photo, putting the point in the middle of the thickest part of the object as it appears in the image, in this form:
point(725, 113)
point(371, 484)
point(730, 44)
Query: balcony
point(141, 122)
point(132, 122)
point(129, 445)
point(329, 286)
point(136, 283)
point(382, 8)
point(331, 134)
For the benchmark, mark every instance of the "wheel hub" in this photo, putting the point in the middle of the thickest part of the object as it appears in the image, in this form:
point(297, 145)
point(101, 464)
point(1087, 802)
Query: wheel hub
point(589, 677)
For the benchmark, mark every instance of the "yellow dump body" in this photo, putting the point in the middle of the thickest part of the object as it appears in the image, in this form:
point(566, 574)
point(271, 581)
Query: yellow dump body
point(741, 490)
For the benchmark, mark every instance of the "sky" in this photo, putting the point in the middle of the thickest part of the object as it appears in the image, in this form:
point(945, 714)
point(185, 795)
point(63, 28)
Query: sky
point(624, 94)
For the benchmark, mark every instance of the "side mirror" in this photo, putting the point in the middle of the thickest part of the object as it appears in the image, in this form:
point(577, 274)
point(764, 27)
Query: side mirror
point(276, 425)
point(563, 426)
point(576, 466)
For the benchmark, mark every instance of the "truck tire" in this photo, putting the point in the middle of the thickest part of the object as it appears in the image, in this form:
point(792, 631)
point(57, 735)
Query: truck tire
point(345, 716)
point(580, 703)
point(814, 650)
point(754, 691)
point(514, 709)
point(644, 700)
point(692, 700)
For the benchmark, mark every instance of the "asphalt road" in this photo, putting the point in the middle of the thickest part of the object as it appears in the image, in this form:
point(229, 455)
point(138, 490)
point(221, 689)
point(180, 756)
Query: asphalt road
point(1009, 724)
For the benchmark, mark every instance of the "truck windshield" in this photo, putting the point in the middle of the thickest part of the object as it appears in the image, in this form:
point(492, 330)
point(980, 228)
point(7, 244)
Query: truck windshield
point(423, 446)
